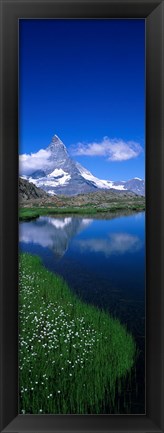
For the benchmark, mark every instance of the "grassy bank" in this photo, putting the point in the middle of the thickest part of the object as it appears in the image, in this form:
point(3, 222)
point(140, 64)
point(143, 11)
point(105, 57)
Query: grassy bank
point(70, 353)
point(26, 214)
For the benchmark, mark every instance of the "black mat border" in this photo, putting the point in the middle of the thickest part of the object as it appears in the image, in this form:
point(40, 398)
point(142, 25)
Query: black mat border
point(153, 12)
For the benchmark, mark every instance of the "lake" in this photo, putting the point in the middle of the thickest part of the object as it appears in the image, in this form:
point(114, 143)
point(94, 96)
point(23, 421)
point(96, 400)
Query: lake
point(103, 260)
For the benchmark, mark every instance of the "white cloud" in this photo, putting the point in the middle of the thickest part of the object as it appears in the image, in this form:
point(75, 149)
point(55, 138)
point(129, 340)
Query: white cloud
point(34, 161)
point(112, 149)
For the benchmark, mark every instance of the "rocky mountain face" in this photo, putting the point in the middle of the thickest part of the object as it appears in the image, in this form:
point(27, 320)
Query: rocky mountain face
point(62, 175)
point(136, 185)
point(28, 191)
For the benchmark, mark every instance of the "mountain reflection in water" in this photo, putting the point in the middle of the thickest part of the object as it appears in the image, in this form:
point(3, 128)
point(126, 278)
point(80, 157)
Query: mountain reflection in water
point(54, 233)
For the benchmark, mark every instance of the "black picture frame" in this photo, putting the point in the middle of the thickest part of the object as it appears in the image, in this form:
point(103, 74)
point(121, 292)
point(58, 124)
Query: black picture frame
point(153, 12)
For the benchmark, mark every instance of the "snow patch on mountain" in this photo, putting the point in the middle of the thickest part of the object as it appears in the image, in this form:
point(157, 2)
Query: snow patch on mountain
point(98, 182)
point(57, 172)
point(119, 187)
point(51, 192)
point(50, 181)
point(89, 176)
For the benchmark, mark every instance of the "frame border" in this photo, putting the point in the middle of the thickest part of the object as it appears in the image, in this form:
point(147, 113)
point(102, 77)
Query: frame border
point(153, 12)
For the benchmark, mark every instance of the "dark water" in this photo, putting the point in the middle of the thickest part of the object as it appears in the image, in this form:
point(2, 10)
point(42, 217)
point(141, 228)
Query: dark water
point(104, 263)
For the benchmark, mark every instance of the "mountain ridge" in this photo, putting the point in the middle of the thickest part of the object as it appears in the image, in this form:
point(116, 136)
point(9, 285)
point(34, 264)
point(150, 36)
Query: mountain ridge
point(62, 175)
point(101, 201)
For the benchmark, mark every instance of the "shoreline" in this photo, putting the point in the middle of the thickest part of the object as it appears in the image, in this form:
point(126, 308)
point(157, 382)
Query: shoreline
point(44, 337)
point(30, 213)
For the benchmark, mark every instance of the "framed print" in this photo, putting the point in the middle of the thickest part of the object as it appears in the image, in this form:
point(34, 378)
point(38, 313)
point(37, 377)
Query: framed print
point(82, 276)
point(79, 231)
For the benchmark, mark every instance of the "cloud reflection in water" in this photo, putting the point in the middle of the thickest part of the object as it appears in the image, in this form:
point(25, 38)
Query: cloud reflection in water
point(116, 243)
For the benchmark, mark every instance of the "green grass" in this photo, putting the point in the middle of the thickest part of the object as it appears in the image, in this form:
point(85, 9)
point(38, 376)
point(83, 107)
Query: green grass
point(31, 213)
point(70, 353)
point(28, 214)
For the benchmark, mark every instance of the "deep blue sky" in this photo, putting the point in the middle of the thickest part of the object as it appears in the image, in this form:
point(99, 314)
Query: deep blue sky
point(83, 80)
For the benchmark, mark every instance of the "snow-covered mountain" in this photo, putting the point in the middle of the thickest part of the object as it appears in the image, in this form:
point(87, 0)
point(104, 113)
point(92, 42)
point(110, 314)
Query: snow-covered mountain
point(136, 185)
point(62, 175)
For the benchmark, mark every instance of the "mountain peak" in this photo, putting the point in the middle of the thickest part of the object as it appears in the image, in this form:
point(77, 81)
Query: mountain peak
point(56, 139)
point(56, 143)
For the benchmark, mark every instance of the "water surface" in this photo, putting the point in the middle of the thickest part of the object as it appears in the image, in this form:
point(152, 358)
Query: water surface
point(103, 260)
